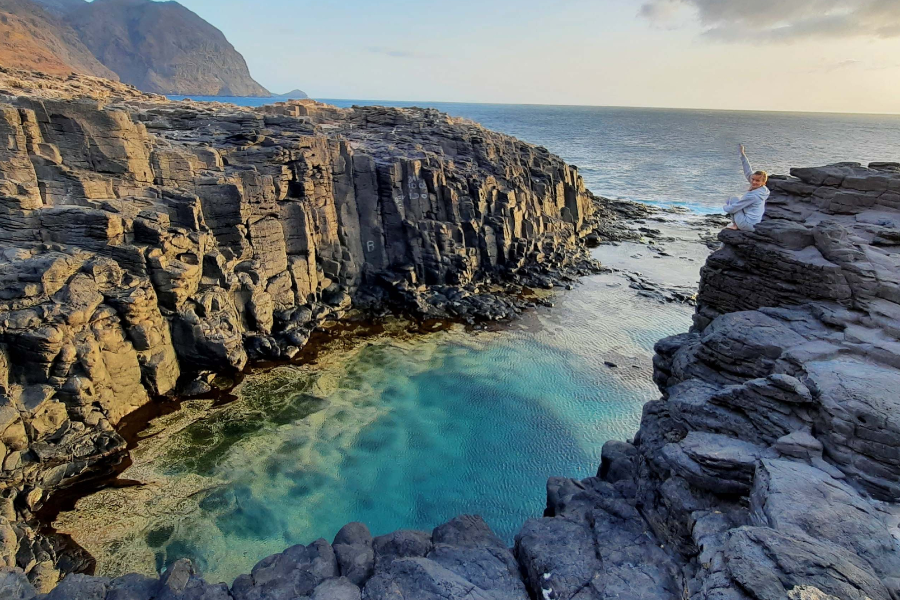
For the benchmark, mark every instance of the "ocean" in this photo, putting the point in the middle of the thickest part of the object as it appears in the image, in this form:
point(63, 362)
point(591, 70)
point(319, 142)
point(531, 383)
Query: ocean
point(673, 157)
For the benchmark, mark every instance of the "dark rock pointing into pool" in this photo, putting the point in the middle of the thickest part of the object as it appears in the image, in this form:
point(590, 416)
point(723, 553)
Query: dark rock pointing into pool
point(768, 470)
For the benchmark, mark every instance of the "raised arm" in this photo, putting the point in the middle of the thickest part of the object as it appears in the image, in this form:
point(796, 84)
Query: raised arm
point(748, 170)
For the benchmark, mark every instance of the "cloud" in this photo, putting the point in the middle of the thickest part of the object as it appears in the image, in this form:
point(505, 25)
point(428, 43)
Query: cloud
point(782, 20)
point(828, 66)
point(660, 11)
point(844, 64)
point(394, 53)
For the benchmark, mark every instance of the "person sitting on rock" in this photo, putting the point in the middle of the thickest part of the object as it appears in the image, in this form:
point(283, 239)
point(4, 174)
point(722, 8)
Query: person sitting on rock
point(747, 210)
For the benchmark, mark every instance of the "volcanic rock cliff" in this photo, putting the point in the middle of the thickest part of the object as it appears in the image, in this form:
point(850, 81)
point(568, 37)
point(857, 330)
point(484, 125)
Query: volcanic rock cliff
point(162, 47)
point(767, 470)
point(142, 240)
point(34, 38)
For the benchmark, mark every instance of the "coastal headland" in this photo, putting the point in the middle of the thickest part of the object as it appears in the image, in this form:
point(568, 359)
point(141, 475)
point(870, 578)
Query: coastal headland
point(147, 246)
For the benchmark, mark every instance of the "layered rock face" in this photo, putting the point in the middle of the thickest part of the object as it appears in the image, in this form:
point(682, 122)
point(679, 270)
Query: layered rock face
point(768, 470)
point(771, 464)
point(142, 240)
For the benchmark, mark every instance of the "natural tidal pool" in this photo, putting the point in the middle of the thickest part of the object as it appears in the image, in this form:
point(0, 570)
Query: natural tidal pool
point(397, 432)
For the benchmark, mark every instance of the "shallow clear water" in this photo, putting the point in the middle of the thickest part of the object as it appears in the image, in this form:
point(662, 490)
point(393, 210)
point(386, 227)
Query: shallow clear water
point(407, 432)
point(675, 157)
point(397, 433)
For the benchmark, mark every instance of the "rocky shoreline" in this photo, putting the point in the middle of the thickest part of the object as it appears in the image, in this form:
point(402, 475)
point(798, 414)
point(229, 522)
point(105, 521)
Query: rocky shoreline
point(768, 469)
point(148, 246)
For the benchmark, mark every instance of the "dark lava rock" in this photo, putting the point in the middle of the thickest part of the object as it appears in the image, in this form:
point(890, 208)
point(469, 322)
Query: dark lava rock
point(768, 469)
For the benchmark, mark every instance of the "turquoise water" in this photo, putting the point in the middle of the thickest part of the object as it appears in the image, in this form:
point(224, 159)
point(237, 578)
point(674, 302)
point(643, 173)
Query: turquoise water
point(407, 432)
point(397, 433)
point(675, 157)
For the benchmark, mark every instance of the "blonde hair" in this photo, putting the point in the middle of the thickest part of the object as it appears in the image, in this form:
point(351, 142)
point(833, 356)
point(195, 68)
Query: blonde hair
point(764, 175)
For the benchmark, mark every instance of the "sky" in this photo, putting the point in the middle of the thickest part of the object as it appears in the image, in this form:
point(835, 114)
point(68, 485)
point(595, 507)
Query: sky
point(803, 55)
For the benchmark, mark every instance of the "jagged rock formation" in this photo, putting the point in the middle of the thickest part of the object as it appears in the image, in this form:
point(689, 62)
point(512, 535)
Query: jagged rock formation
point(460, 559)
point(771, 464)
point(768, 470)
point(142, 240)
point(32, 38)
point(159, 47)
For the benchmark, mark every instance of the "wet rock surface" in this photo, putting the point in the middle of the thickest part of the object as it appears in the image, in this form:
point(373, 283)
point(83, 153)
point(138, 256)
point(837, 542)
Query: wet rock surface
point(659, 250)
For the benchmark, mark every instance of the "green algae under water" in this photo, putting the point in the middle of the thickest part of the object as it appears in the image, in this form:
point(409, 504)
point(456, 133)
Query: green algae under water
point(396, 433)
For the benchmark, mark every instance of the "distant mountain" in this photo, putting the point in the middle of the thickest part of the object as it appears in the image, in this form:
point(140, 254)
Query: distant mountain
point(292, 95)
point(61, 7)
point(159, 47)
point(163, 47)
point(38, 39)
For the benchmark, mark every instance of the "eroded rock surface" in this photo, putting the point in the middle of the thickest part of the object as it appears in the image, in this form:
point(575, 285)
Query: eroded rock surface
point(772, 461)
point(768, 469)
point(460, 559)
point(143, 240)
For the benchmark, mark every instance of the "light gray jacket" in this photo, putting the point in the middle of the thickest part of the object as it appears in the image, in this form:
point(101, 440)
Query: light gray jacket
point(748, 209)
